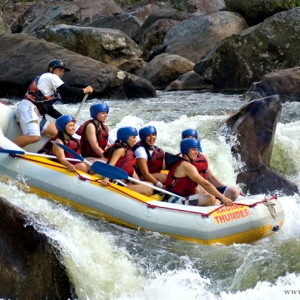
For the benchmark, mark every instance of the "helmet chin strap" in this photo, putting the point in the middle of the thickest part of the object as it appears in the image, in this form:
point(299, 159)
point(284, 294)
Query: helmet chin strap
point(190, 160)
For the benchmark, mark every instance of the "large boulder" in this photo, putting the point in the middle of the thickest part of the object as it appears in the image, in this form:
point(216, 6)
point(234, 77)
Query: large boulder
point(243, 59)
point(125, 22)
point(165, 13)
point(284, 83)
point(193, 38)
point(256, 11)
point(154, 36)
point(110, 46)
point(23, 57)
point(29, 264)
point(188, 81)
point(207, 6)
point(251, 132)
point(165, 68)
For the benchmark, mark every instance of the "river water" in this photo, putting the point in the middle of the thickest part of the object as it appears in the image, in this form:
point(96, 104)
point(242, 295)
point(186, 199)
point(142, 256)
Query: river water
point(107, 261)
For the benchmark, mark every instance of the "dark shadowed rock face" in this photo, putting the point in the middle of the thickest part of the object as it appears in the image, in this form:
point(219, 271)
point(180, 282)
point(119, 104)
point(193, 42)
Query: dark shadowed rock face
point(29, 267)
point(284, 83)
point(251, 132)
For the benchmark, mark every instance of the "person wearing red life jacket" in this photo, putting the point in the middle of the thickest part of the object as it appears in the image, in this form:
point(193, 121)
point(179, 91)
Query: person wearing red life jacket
point(150, 158)
point(183, 178)
point(38, 102)
point(94, 133)
point(202, 165)
point(121, 155)
point(66, 129)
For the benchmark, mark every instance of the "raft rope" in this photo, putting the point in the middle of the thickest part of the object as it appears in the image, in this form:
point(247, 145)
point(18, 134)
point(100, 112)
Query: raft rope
point(270, 206)
point(266, 201)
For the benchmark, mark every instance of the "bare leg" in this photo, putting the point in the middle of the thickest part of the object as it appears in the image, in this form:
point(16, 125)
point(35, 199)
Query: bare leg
point(160, 177)
point(206, 200)
point(232, 192)
point(51, 130)
point(82, 167)
point(93, 159)
point(24, 140)
point(142, 189)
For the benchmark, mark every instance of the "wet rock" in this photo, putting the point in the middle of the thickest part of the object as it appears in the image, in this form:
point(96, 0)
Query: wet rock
point(250, 133)
point(29, 265)
point(284, 83)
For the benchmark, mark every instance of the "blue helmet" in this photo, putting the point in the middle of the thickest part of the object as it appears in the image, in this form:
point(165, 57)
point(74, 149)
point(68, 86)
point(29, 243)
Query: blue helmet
point(62, 121)
point(96, 108)
point(187, 144)
point(189, 132)
point(124, 133)
point(143, 132)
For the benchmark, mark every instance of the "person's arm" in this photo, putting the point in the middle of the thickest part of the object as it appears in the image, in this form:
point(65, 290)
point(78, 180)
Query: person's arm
point(214, 180)
point(52, 112)
point(60, 154)
point(74, 90)
point(191, 171)
point(117, 154)
point(143, 167)
point(92, 139)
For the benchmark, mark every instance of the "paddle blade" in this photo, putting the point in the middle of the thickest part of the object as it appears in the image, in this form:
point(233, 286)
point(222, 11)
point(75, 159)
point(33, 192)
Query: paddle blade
point(67, 149)
point(108, 171)
point(10, 151)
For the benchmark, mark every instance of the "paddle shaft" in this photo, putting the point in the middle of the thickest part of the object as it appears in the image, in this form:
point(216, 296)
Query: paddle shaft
point(114, 172)
point(153, 187)
point(81, 105)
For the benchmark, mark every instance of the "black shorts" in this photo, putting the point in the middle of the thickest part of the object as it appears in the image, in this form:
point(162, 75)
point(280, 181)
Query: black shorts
point(188, 200)
point(222, 189)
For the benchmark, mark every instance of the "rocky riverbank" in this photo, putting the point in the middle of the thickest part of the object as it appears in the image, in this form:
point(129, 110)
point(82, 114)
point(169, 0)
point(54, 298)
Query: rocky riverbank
point(132, 50)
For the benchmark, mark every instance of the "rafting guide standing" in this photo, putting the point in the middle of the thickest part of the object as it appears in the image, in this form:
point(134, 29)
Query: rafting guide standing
point(39, 99)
